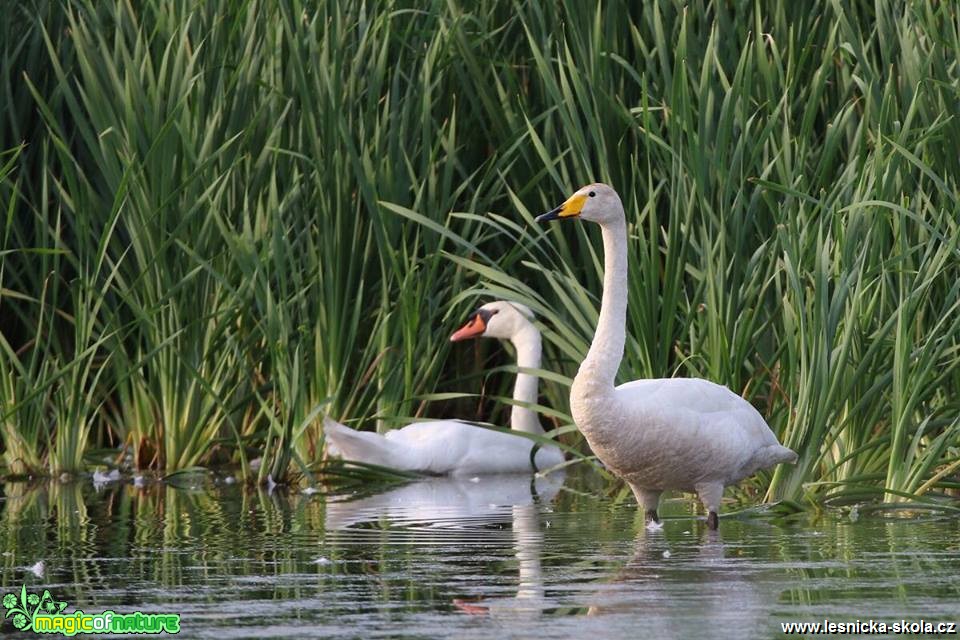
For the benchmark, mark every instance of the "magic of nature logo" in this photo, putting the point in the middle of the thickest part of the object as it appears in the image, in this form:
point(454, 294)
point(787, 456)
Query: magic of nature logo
point(42, 614)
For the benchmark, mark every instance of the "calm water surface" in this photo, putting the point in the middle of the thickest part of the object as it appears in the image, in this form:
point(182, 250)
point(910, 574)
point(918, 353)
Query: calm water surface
point(496, 558)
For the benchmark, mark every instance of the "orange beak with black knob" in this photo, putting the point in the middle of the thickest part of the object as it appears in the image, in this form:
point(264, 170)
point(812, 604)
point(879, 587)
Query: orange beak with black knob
point(475, 326)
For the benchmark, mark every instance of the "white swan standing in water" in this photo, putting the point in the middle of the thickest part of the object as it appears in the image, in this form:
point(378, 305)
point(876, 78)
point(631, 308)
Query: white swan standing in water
point(452, 447)
point(675, 433)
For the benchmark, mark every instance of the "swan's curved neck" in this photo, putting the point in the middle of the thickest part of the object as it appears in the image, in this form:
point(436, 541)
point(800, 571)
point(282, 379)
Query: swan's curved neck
point(599, 368)
point(525, 389)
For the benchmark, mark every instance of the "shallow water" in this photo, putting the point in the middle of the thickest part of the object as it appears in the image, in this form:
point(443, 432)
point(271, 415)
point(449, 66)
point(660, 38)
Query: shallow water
point(495, 558)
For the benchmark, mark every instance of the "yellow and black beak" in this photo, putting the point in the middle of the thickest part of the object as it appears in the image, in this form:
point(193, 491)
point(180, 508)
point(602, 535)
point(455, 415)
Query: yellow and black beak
point(476, 325)
point(569, 209)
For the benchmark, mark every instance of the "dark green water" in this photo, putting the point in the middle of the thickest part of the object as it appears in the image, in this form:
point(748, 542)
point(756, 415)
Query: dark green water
point(444, 559)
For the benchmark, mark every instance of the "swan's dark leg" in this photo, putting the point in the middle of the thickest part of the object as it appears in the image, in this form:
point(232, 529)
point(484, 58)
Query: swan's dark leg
point(649, 499)
point(710, 495)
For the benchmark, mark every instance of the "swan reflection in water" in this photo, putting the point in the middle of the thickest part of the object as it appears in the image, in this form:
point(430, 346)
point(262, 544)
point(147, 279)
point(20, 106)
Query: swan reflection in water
point(668, 588)
point(466, 505)
point(673, 584)
point(674, 587)
point(528, 545)
point(452, 502)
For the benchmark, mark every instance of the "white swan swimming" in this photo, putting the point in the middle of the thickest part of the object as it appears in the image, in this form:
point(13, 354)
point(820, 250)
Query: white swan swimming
point(675, 433)
point(452, 447)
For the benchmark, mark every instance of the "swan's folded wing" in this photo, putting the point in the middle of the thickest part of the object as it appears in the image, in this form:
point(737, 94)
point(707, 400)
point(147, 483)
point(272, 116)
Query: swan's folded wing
point(696, 394)
point(700, 426)
point(460, 448)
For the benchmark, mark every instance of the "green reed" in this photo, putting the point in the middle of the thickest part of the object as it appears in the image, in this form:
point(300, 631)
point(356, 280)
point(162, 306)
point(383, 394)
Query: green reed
point(226, 219)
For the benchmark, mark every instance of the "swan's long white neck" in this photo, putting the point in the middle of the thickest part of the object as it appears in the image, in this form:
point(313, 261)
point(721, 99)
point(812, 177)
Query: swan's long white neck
point(598, 371)
point(525, 389)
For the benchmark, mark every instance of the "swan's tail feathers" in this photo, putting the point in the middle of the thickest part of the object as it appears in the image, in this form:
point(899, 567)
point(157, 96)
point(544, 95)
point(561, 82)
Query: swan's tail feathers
point(359, 446)
point(784, 454)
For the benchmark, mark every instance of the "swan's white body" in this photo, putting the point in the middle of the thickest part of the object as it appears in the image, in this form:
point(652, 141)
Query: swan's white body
point(675, 433)
point(452, 447)
point(442, 447)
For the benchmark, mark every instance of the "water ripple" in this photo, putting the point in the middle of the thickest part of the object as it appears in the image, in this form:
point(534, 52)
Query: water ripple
point(458, 558)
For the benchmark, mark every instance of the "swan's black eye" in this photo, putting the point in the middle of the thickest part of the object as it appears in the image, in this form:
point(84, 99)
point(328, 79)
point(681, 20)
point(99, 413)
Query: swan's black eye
point(592, 194)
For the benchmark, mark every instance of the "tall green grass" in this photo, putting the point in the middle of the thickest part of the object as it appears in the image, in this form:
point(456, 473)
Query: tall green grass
point(228, 218)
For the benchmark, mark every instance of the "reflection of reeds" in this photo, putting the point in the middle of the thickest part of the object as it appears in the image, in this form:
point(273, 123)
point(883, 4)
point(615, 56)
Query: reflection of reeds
point(900, 561)
point(23, 505)
point(229, 216)
point(44, 520)
point(169, 536)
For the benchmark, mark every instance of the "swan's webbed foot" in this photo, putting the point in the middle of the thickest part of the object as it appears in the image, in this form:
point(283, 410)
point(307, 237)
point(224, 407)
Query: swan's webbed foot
point(713, 521)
